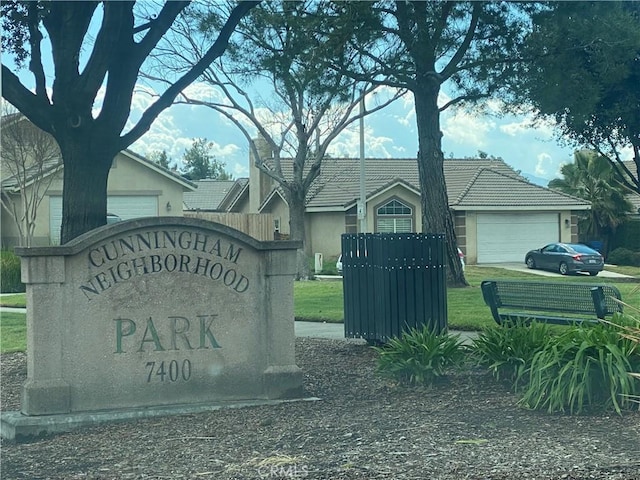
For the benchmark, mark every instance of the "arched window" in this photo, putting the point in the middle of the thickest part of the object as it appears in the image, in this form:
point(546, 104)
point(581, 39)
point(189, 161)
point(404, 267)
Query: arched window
point(394, 217)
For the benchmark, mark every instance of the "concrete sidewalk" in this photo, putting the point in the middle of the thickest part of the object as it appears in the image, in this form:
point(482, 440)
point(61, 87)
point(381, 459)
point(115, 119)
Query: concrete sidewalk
point(521, 267)
point(336, 331)
point(307, 329)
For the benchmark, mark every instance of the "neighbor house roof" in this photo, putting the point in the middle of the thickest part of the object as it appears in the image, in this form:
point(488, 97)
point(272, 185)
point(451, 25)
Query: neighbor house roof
point(11, 183)
point(471, 184)
point(213, 194)
point(173, 175)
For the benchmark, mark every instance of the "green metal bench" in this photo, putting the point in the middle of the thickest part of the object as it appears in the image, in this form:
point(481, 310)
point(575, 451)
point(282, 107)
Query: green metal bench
point(556, 303)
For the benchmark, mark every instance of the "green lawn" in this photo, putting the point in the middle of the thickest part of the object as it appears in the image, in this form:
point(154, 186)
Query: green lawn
point(17, 300)
point(466, 310)
point(322, 301)
point(13, 332)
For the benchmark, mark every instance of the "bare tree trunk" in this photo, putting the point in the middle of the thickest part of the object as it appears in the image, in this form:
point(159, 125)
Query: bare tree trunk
point(297, 231)
point(436, 215)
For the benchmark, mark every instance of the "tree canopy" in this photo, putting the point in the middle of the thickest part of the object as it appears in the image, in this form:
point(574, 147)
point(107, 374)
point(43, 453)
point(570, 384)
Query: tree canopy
point(88, 66)
point(199, 163)
point(584, 73)
point(591, 177)
point(421, 46)
point(277, 83)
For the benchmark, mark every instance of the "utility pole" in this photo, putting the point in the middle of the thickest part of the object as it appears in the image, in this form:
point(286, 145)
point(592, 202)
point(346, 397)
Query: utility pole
point(362, 204)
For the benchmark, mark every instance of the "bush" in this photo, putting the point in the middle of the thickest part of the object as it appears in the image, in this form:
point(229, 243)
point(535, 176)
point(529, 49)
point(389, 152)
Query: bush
point(624, 256)
point(627, 235)
point(419, 357)
point(507, 350)
point(10, 273)
point(588, 365)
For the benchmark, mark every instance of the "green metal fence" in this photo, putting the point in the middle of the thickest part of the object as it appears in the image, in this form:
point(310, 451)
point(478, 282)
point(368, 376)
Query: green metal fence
point(393, 282)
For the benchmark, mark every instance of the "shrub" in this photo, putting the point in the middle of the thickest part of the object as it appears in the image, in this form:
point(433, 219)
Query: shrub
point(630, 329)
point(624, 256)
point(588, 365)
point(507, 350)
point(627, 235)
point(419, 357)
point(10, 273)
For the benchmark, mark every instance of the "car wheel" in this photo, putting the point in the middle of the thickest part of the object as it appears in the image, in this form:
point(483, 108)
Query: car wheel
point(531, 263)
point(593, 274)
point(563, 269)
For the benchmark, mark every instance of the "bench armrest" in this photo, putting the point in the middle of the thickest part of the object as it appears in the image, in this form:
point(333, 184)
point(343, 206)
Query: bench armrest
point(599, 302)
point(490, 295)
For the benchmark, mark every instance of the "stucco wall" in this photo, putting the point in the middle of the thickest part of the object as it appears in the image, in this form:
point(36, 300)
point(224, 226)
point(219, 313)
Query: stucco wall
point(325, 228)
point(127, 177)
point(324, 231)
point(280, 212)
point(402, 194)
point(10, 235)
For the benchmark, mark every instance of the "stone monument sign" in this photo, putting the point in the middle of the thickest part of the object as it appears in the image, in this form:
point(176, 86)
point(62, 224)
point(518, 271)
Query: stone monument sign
point(157, 312)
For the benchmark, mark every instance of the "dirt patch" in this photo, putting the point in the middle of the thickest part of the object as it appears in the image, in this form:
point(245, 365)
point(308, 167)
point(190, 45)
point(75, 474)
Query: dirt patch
point(365, 427)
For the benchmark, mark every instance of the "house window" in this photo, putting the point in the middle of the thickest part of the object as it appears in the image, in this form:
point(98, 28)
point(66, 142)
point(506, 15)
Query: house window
point(394, 217)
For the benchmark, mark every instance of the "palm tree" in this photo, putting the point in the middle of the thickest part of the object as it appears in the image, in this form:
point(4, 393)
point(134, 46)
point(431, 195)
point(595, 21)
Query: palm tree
point(592, 178)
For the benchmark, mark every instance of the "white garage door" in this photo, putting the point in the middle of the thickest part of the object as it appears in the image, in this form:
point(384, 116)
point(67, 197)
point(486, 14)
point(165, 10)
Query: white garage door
point(126, 207)
point(507, 237)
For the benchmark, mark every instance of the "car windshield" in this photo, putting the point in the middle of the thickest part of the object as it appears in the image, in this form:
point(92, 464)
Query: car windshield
point(583, 249)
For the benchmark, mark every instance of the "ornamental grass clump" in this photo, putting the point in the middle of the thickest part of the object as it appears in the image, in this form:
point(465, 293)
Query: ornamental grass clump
point(507, 350)
point(631, 331)
point(420, 356)
point(585, 366)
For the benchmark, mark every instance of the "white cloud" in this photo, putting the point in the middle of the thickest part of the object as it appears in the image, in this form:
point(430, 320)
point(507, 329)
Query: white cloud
point(516, 128)
point(407, 120)
point(527, 125)
point(347, 144)
point(466, 129)
point(543, 162)
point(204, 92)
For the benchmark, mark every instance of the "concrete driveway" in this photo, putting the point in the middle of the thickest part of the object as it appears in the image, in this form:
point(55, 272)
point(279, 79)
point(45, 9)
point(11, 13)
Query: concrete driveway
point(521, 267)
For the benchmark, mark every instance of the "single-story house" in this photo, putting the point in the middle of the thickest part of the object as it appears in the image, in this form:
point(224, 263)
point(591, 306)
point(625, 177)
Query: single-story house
point(499, 215)
point(137, 187)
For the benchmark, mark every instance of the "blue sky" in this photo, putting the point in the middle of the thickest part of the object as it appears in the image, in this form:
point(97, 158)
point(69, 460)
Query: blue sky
point(390, 133)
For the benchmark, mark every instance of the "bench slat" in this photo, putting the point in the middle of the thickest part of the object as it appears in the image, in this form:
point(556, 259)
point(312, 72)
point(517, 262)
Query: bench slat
point(528, 299)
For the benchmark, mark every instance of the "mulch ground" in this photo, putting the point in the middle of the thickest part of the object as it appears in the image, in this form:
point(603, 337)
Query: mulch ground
point(364, 427)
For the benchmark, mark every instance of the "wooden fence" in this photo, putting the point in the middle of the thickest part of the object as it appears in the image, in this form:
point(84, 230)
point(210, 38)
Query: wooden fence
point(258, 226)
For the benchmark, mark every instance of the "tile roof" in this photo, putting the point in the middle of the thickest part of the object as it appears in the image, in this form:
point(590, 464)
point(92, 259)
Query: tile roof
point(470, 183)
point(11, 181)
point(214, 194)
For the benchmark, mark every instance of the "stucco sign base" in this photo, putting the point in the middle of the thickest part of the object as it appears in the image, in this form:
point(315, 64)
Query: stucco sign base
point(158, 312)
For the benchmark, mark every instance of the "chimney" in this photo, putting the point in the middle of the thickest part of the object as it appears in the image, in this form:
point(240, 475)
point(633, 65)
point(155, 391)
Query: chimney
point(260, 184)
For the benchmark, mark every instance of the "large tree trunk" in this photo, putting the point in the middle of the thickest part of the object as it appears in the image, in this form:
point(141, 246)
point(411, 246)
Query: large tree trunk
point(84, 198)
point(436, 215)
